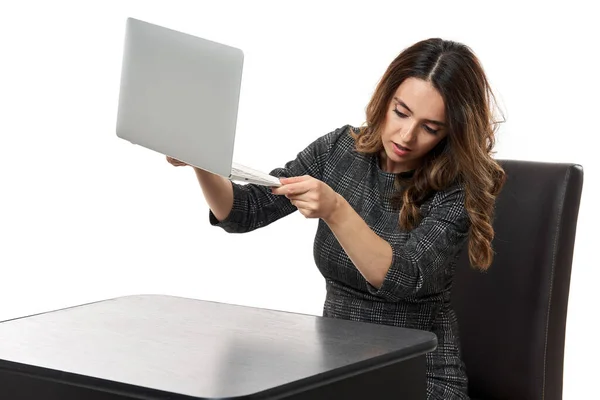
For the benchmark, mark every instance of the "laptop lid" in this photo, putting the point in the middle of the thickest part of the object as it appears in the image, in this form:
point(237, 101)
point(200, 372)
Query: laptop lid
point(179, 95)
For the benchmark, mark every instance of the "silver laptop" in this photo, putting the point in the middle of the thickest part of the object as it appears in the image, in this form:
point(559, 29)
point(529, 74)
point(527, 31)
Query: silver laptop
point(179, 96)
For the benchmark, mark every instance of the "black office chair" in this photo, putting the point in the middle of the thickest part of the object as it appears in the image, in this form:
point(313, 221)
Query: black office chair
point(512, 317)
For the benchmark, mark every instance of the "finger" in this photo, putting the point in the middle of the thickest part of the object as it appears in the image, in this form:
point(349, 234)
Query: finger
point(307, 209)
point(280, 191)
point(293, 189)
point(297, 188)
point(306, 197)
point(302, 204)
point(295, 179)
point(178, 163)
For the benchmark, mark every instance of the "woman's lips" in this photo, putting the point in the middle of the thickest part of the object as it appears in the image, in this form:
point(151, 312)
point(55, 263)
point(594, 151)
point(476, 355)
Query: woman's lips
point(400, 150)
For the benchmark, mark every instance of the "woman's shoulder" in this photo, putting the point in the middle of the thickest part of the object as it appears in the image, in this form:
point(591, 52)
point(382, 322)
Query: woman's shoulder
point(342, 136)
point(449, 201)
point(339, 139)
point(454, 191)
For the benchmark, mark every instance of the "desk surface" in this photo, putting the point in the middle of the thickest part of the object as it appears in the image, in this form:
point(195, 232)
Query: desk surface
point(202, 349)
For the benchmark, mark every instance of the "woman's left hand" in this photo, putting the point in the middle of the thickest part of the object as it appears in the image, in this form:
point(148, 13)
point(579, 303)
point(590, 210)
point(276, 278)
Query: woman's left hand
point(313, 198)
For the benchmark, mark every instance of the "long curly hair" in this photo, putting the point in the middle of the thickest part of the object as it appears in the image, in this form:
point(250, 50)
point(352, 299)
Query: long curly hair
point(464, 155)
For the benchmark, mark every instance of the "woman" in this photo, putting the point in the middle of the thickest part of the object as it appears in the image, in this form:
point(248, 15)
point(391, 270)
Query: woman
point(396, 200)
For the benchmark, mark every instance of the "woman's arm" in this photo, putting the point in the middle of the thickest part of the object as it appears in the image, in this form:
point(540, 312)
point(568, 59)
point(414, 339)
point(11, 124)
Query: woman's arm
point(369, 253)
point(218, 192)
point(398, 271)
point(393, 271)
point(242, 208)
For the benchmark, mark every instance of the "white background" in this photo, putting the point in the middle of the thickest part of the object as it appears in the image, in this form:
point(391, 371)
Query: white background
point(85, 216)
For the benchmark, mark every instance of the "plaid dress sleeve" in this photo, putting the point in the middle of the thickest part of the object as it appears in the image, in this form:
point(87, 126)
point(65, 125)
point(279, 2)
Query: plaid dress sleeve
point(428, 247)
point(254, 206)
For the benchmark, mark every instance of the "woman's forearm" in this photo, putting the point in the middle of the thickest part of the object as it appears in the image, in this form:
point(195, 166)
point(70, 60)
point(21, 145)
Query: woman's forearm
point(371, 254)
point(218, 192)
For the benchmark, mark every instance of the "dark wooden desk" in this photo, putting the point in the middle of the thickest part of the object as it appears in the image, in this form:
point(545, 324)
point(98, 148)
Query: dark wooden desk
point(163, 347)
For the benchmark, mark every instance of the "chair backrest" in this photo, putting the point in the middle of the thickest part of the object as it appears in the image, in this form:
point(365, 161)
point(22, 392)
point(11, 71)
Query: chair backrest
point(512, 317)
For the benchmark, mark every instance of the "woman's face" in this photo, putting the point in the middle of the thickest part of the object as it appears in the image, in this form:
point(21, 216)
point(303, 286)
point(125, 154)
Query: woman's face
point(415, 123)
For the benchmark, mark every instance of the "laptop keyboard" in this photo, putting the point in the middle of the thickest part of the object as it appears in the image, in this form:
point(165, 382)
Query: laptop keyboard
point(251, 174)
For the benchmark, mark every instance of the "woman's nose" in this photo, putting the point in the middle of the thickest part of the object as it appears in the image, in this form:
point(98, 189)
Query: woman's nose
point(409, 133)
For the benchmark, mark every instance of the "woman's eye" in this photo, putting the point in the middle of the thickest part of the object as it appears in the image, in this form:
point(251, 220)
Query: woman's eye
point(401, 115)
point(431, 130)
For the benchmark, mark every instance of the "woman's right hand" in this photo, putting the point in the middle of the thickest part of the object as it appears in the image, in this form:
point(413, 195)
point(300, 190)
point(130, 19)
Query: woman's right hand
point(217, 190)
point(175, 162)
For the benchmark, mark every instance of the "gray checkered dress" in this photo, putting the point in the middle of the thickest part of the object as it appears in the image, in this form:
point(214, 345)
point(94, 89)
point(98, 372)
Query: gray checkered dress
point(416, 290)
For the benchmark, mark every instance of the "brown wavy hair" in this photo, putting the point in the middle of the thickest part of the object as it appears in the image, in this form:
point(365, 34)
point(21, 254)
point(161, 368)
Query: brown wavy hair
point(464, 155)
